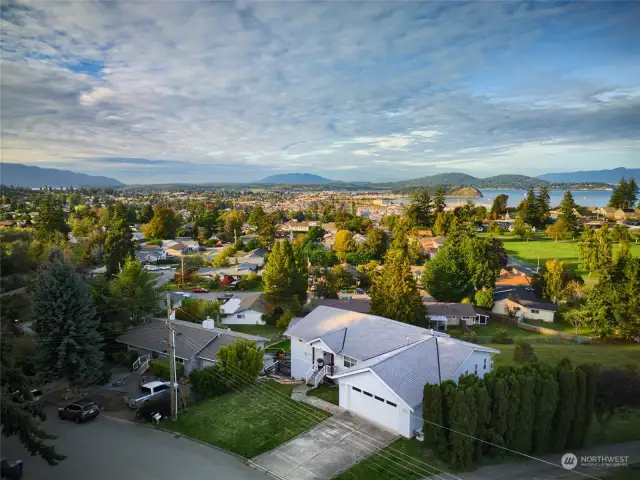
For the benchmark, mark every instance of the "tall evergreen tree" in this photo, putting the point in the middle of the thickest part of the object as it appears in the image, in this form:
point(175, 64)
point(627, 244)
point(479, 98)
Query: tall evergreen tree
point(439, 201)
point(434, 434)
point(588, 250)
point(604, 256)
point(567, 213)
point(439, 226)
point(118, 245)
point(463, 419)
point(545, 409)
point(421, 209)
point(513, 400)
point(66, 325)
point(576, 434)
point(499, 206)
point(282, 277)
point(394, 293)
point(523, 435)
point(625, 194)
point(51, 220)
point(567, 404)
point(543, 207)
point(530, 212)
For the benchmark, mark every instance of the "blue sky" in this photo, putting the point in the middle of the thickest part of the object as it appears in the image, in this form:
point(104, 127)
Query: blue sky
point(188, 91)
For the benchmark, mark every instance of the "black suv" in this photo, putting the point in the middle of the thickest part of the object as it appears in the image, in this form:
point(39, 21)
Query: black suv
point(79, 411)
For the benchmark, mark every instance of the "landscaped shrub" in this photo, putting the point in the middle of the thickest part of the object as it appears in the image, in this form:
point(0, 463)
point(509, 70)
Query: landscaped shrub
point(283, 322)
point(501, 336)
point(126, 358)
point(160, 368)
point(523, 353)
point(208, 382)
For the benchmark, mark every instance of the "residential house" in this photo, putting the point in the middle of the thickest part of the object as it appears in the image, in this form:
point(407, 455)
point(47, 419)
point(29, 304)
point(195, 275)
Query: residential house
point(431, 245)
point(359, 239)
point(247, 310)
point(179, 247)
point(523, 302)
point(196, 345)
point(444, 314)
point(151, 254)
point(296, 226)
point(360, 305)
point(607, 212)
point(624, 214)
point(380, 365)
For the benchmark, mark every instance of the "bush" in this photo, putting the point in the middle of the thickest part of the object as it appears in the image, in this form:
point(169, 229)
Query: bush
point(126, 358)
point(210, 243)
point(283, 322)
point(524, 353)
point(501, 336)
point(158, 404)
point(160, 368)
point(167, 261)
point(208, 382)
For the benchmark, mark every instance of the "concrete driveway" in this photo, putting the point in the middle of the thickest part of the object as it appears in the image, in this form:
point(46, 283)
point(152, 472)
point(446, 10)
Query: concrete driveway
point(327, 449)
point(104, 449)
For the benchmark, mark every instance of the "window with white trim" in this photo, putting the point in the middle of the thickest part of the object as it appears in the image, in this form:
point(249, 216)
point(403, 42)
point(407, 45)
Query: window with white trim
point(240, 315)
point(535, 310)
point(349, 362)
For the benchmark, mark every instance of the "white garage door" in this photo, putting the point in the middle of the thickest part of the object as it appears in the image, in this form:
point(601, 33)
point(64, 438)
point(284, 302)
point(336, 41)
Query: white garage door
point(377, 409)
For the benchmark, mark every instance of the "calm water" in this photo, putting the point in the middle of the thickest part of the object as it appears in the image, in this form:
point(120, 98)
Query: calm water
point(585, 198)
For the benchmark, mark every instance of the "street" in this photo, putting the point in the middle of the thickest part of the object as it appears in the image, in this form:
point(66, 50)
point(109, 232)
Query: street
point(105, 449)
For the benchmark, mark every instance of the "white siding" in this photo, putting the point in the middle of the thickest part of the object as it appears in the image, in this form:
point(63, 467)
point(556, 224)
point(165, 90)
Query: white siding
point(469, 365)
point(396, 419)
point(248, 317)
point(301, 358)
point(544, 315)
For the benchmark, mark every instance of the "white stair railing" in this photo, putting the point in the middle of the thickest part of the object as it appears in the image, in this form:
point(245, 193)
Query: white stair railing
point(309, 373)
point(142, 363)
point(319, 376)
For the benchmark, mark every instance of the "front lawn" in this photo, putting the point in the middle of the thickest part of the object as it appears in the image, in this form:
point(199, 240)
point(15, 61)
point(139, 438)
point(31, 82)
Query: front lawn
point(561, 326)
point(489, 330)
point(250, 421)
point(325, 392)
point(266, 331)
point(612, 355)
point(281, 345)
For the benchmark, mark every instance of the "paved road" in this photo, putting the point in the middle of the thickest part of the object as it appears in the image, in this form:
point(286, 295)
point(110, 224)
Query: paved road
point(106, 450)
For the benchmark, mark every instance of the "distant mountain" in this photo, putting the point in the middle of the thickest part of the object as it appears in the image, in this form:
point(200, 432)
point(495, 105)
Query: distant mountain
point(611, 177)
point(20, 175)
point(298, 179)
point(498, 181)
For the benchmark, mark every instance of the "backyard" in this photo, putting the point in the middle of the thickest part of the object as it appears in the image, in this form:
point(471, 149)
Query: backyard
point(250, 421)
point(266, 331)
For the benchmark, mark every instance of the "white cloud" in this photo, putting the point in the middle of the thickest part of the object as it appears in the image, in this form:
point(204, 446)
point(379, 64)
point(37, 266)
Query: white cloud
point(364, 153)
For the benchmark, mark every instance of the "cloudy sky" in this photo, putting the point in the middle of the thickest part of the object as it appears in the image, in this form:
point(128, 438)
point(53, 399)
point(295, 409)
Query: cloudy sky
point(188, 91)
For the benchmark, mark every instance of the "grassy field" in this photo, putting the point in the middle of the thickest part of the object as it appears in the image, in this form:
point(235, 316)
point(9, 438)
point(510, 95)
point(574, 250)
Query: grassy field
point(326, 393)
point(561, 326)
point(545, 249)
point(248, 422)
point(578, 353)
point(266, 331)
point(489, 330)
point(281, 345)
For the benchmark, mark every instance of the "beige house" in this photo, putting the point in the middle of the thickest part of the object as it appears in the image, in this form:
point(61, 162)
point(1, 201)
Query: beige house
point(607, 212)
point(625, 214)
point(522, 303)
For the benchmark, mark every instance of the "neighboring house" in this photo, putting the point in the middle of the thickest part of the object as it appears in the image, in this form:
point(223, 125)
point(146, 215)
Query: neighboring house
point(431, 245)
point(180, 247)
point(607, 212)
point(240, 270)
point(524, 303)
point(624, 214)
point(359, 239)
point(360, 305)
point(444, 314)
point(296, 226)
point(381, 366)
point(150, 254)
point(196, 346)
point(247, 310)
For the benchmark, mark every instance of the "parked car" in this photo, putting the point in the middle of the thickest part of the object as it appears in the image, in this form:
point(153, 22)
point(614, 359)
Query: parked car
point(79, 411)
point(184, 294)
point(200, 290)
point(151, 268)
point(11, 469)
point(164, 267)
point(360, 291)
point(150, 390)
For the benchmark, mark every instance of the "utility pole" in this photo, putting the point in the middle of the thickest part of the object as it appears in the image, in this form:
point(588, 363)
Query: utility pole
point(172, 361)
point(182, 277)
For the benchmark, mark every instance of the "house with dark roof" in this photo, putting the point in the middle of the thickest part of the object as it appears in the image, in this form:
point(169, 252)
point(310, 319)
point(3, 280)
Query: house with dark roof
point(196, 345)
point(379, 365)
point(522, 302)
point(442, 314)
point(246, 310)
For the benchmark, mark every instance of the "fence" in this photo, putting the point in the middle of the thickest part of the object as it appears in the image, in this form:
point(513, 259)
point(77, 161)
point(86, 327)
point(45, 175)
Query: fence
point(553, 333)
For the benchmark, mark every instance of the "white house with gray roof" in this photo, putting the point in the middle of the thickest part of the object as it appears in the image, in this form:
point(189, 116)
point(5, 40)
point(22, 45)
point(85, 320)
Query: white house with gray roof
point(380, 365)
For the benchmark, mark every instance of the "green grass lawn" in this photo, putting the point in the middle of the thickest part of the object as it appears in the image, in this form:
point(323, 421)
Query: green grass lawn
point(248, 422)
point(326, 393)
point(624, 426)
point(546, 249)
point(561, 326)
point(489, 330)
point(266, 331)
point(281, 345)
point(613, 355)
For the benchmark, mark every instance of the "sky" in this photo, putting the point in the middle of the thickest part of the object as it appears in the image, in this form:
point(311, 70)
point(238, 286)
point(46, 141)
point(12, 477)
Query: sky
point(188, 91)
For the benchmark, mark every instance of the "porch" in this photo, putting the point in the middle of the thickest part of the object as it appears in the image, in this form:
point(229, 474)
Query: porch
point(322, 365)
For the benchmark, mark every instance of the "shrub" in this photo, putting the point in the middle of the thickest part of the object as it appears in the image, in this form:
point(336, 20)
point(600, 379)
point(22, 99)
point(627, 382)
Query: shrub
point(466, 300)
point(210, 243)
point(283, 322)
point(126, 358)
point(158, 404)
point(208, 382)
point(524, 353)
point(501, 336)
point(160, 368)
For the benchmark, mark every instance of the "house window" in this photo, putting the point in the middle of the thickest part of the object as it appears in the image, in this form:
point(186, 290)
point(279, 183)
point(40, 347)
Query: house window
point(378, 398)
point(240, 315)
point(391, 403)
point(180, 360)
point(349, 362)
point(356, 389)
point(485, 363)
point(535, 310)
point(476, 368)
point(367, 394)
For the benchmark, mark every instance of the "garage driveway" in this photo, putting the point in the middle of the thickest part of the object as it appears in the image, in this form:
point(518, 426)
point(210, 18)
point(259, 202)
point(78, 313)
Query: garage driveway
point(327, 449)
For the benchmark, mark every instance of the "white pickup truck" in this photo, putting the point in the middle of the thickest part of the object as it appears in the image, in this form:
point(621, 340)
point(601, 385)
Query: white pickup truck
point(149, 391)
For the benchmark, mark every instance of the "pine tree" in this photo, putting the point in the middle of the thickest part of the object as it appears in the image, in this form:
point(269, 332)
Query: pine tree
point(604, 256)
point(463, 419)
point(513, 399)
point(543, 207)
point(523, 434)
point(625, 194)
point(545, 409)
point(66, 325)
point(576, 434)
point(439, 201)
point(530, 213)
point(118, 245)
point(394, 293)
point(284, 277)
point(567, 213)
point(439, 226)
point(51, 220)
point(421, 209)
point(588, 250)
point(434, 434)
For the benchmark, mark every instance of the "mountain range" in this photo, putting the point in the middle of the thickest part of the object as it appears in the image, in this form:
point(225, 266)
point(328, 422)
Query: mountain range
point(19, 175)
point(298, 179)
point(612, 176)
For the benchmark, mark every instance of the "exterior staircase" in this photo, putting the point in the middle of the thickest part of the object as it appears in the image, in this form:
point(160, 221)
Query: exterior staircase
point(141, 365)
point(316, 377)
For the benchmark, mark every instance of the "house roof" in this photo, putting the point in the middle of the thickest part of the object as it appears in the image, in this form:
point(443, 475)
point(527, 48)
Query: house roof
point(191, 338)
point(524, 296)
point(421, 359)
point(365, 336)
point(450, 309)
point(362, 305)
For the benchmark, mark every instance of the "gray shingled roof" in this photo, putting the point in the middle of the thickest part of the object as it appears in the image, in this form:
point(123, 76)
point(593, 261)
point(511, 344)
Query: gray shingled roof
point(524, 296)
point(450, 309)
point(366, 336)
point(362, 305)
